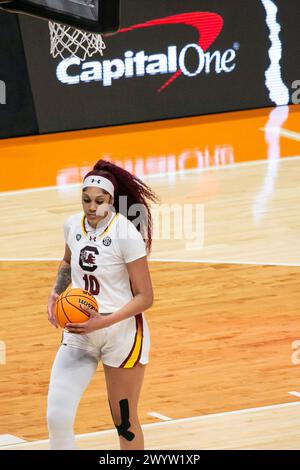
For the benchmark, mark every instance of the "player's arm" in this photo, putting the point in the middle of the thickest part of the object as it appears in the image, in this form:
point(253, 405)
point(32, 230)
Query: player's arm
point(141, 284)
point(134, 251)
point(63, 280)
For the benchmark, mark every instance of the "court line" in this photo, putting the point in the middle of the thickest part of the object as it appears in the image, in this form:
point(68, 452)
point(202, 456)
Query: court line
point(217, 261)
point(30, 259)
point(10, 439)
point(154, 175)
point(172, 421)
point(296, 394)
point(172, 260)
point(283, 132)
point(159, 416)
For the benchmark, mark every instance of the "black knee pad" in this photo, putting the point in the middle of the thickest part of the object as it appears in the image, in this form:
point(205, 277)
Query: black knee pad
point(123, 428)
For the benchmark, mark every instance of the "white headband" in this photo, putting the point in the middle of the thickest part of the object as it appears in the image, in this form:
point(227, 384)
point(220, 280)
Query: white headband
point(99, 182)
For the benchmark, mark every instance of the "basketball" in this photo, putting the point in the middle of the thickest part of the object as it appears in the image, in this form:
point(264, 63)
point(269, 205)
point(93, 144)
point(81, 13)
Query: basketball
point(68, 306)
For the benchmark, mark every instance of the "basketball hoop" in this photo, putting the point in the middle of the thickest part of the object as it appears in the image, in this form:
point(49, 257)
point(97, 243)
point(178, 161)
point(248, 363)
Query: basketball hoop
point(66, 42)
point(76, 26)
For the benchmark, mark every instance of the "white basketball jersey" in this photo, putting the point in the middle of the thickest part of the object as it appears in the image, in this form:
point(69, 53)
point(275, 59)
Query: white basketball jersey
point(99, 257)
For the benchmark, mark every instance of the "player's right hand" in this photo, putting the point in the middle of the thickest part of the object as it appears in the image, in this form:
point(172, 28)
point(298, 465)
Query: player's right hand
point(51, 308)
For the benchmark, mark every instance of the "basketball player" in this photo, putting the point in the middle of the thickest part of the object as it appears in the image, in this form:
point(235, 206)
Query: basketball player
point(106, 254)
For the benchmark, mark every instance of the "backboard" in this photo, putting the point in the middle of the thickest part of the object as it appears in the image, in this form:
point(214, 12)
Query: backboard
point(95, 16)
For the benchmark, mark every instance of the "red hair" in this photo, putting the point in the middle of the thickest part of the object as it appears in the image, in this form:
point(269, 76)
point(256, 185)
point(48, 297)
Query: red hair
point(137, 192)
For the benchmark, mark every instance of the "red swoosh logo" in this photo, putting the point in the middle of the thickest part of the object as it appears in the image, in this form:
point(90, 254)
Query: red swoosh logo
point(208, 25)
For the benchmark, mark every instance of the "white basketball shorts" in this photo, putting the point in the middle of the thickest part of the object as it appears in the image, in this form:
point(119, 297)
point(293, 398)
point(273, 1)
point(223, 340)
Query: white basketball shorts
point(123, 344)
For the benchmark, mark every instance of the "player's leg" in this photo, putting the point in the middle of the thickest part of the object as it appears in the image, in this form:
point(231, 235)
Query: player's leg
point(72, 371)
point(123, 388)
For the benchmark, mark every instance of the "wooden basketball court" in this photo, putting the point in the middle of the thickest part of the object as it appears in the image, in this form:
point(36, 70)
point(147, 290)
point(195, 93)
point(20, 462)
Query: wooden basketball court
point(224, 370)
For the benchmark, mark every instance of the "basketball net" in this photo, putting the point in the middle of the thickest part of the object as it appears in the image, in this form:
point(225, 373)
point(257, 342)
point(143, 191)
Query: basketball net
point(67, 42)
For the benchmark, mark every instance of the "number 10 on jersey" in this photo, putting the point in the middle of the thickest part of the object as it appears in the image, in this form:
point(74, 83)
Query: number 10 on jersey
point(91, 284)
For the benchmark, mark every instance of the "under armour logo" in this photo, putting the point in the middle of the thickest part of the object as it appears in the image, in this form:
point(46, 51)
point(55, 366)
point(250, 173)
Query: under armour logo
point(96, 181)
point(92, 238)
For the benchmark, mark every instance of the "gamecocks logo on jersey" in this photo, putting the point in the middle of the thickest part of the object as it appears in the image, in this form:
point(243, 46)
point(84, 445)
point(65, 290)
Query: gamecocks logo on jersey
point(106, 241)
point(87, 258)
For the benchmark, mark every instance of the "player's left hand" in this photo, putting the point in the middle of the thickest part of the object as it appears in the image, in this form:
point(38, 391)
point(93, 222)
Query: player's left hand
point(95, 322)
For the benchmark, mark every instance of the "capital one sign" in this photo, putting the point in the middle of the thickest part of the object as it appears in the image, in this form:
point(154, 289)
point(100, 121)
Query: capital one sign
point(208, 26)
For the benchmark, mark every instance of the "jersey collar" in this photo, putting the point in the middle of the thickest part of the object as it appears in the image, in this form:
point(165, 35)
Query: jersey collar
point(102, 228)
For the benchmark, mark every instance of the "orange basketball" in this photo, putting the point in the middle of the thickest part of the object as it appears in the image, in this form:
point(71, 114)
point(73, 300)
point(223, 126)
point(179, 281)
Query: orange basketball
point(68, 306)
